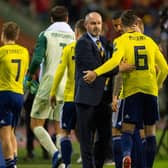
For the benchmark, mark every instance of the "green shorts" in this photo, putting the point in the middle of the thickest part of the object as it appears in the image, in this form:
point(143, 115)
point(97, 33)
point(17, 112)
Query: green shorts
point(42, 110)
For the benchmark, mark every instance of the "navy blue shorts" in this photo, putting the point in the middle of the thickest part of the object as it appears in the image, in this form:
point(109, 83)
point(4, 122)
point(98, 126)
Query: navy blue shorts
point(140, 109)
point(10, 107)
point(68, 116)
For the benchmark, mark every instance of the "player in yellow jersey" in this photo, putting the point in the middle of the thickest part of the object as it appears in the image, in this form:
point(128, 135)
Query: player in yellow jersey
point(138, 157)
point(140, 87)
point(68, 116)
point(14, 61)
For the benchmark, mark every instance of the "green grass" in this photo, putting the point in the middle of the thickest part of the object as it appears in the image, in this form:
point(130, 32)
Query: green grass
point(160, 162)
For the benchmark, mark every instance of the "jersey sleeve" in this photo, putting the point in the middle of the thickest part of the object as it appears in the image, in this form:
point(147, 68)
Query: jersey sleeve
point(27, 62)
point(39, 53)
point(163, 67)
point(118, 53)
point(60, 71)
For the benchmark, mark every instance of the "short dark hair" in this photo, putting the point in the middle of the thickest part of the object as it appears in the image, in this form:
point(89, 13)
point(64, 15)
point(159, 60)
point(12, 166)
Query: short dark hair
point(116, 14)
point(128, 17)
point(80, 26)
point(59, 13)
point(10, 30)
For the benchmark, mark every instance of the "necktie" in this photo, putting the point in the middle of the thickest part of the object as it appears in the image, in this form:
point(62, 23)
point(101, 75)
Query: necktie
point(99, 46)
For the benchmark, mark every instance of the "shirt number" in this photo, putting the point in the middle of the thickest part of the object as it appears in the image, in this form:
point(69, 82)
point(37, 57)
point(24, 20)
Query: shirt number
point(18, 62)
point(141, 61)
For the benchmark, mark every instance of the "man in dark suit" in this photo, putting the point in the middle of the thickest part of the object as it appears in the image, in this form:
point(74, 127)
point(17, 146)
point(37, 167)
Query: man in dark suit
point(91, 115)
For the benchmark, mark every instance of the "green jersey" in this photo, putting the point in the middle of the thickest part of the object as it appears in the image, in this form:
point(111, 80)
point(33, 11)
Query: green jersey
point(48, 52)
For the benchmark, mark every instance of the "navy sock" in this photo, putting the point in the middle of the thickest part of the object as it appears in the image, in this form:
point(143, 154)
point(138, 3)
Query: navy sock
point(117, 151)
point(127, 143)
point(150, 150)
point(15, 159)
point(143, 151)
point(137, 151)
point(10, 163)
point(66, 150)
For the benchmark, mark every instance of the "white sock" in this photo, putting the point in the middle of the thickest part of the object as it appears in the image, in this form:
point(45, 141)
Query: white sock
point(45, 139)
point(58, 141)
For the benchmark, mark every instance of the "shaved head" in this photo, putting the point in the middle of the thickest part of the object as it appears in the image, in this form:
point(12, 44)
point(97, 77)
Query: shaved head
point(92, 15)
point(93, 23)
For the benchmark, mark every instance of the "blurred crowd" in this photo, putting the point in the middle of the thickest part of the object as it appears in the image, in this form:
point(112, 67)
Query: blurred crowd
point(154, 14)
point(148, 10)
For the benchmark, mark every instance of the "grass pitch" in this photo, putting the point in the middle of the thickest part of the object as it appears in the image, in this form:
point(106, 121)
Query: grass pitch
point(38, 162)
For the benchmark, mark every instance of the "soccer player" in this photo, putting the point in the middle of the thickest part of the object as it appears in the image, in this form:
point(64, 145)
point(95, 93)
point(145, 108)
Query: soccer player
point(48, 52)
point(68, 116)
point(140, 87)
point(138, 143)
point(116, 133)
point(14, 61)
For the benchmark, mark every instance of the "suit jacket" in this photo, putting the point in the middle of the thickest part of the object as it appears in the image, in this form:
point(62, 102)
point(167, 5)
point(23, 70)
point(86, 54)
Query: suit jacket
point(88, 57)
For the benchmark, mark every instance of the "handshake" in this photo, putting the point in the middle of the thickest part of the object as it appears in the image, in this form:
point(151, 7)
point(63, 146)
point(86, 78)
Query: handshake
point(31, 85)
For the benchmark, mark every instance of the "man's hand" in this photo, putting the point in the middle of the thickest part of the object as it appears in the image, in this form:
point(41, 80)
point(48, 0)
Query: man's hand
point(89, 76)
point(125, 67)
point(115, 104)
point(52, 101)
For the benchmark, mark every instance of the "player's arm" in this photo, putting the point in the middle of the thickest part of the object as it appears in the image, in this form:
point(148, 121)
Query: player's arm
point(39, 54)
point(118, 53)
point(27, 61)
point(110, 64)
point(58, 75)
point(60, 70)
point(116, 91)
point(163, 67)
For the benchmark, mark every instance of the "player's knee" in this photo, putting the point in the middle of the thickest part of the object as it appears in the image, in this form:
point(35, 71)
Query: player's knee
point(36, 123)
point(150, 130)
point(64, 133)
point(6, 133)
point(142, 133)
point(116, 132)
point(127, 127)
point(32, 125)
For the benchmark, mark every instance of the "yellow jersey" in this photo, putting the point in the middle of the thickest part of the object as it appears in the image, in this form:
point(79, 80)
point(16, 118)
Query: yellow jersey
point(140, 50)
point(14, 61)
point(67, 61)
